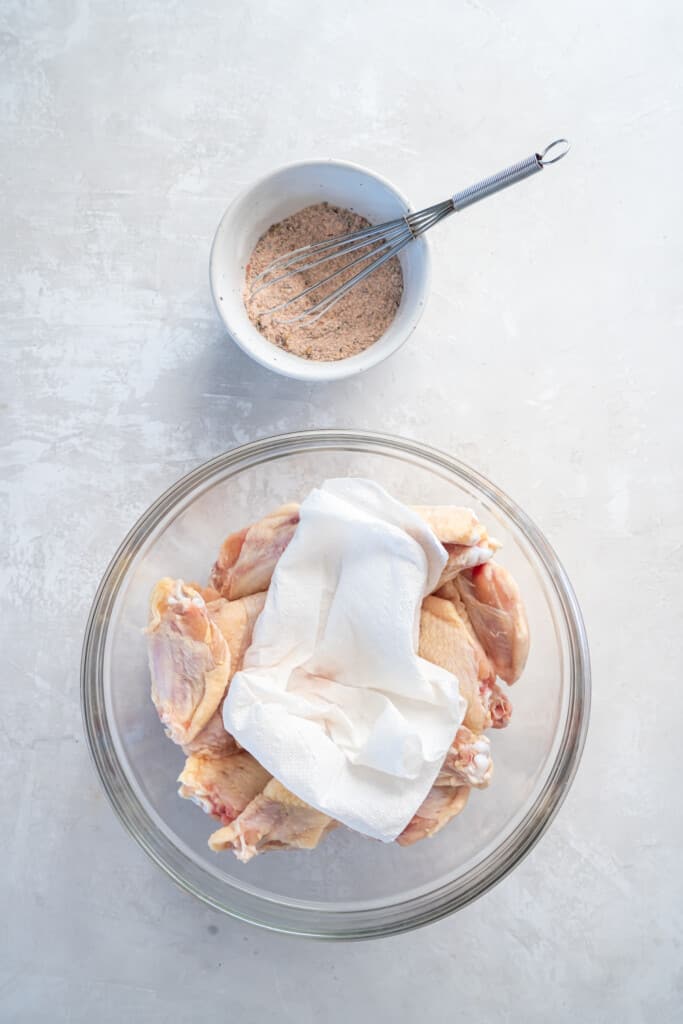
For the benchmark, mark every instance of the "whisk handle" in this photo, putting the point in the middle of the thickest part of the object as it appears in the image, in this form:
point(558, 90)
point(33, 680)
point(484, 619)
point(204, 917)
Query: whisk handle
point(510, 176)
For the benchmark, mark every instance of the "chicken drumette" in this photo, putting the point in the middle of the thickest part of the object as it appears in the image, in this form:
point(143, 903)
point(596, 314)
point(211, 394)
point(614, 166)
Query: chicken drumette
point(195, 648)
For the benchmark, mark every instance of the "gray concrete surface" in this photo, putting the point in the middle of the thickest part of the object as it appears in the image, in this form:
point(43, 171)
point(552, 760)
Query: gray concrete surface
point(549, 358)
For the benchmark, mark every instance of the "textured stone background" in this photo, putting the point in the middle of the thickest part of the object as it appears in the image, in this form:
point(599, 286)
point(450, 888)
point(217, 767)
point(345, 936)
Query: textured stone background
point(549, 358)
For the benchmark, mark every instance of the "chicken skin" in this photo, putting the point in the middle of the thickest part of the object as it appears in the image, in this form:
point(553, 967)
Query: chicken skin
point(440, 806)
point(496, 611)
point(222, 786)
point(247, 558)
point(275, 819)
point(445, 641)
point(189, 659)
point(195, 648)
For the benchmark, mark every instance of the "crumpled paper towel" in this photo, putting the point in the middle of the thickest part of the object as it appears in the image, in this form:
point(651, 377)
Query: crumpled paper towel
point(333, 699)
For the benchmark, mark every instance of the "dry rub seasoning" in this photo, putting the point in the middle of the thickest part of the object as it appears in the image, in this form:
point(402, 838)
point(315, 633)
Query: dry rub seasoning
point(355, 322)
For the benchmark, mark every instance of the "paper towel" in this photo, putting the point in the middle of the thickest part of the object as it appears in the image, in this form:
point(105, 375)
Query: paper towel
point(333, 699)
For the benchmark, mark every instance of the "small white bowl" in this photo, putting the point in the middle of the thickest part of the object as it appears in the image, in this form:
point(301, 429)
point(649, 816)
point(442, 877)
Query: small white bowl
point(279, 195)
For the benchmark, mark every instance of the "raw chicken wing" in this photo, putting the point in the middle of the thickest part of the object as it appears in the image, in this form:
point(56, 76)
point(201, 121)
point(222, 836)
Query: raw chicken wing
point(235, 620)
point(275, 819)
point(195, 648)
point(247, 558)
point(189, 659)
point(496, 703)
point(465, 539)
point(222, 786)
point(445, 640)
point(449, 592)
point(437, 809)
point(213, 740)
point(496, 611)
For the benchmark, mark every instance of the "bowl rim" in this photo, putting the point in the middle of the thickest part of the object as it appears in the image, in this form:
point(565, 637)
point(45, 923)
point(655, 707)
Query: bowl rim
point(319, 922)
point(316, 371)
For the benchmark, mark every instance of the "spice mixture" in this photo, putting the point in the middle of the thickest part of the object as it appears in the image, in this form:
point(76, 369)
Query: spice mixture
point(355, 322)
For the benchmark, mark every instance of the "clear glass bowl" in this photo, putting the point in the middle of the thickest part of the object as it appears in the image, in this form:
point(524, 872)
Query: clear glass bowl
point(350, 887)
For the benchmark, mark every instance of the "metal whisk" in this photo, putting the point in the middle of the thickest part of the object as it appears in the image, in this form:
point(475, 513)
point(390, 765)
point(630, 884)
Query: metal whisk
point(382, 242)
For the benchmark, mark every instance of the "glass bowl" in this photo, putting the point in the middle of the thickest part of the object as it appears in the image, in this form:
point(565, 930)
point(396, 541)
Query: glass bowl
point(350, 886)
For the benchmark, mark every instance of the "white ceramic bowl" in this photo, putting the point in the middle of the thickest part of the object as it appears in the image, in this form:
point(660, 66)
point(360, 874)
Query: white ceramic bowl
point(279, 195)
